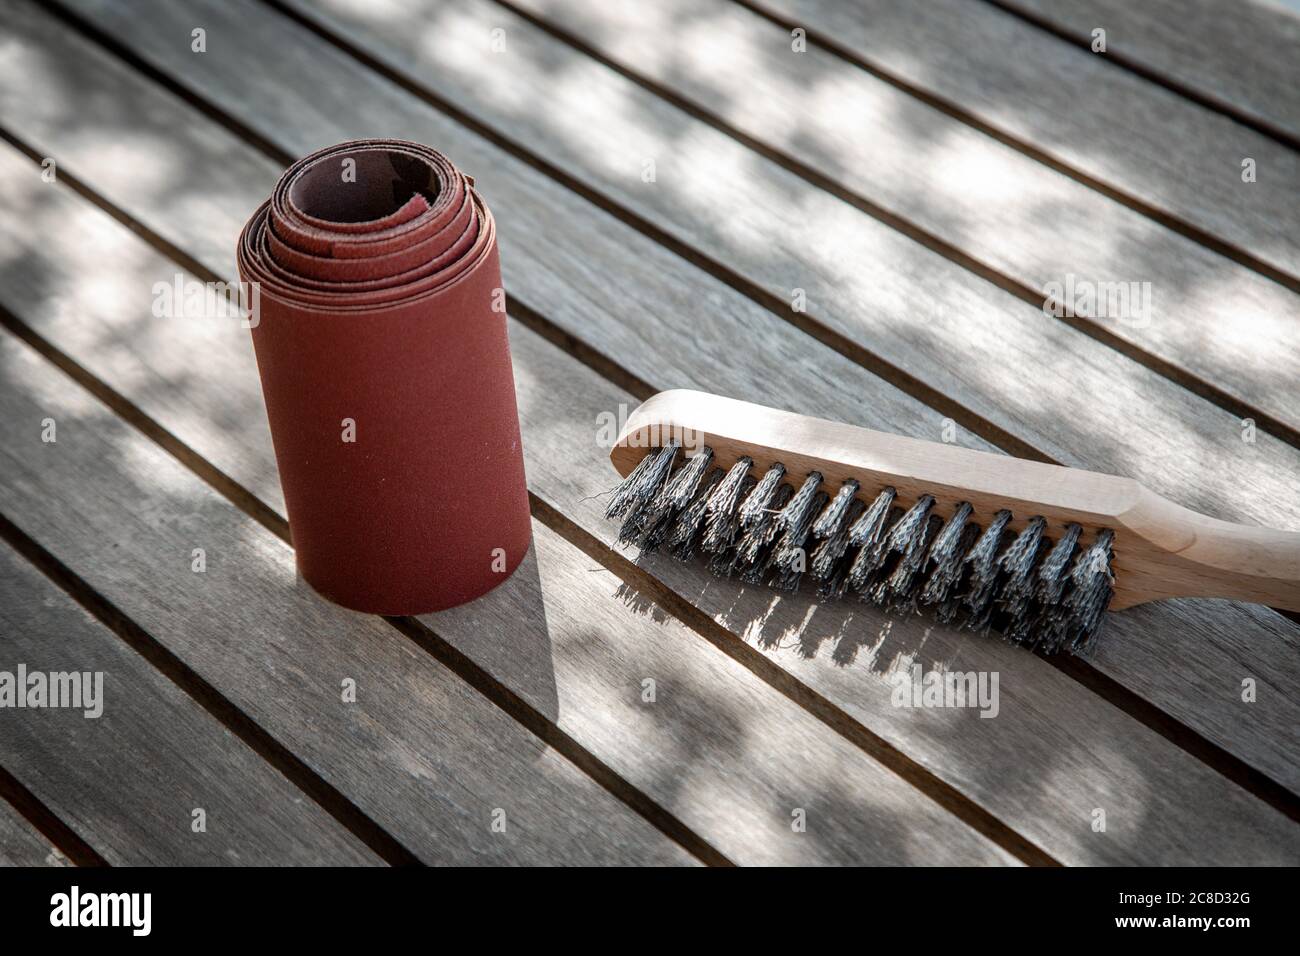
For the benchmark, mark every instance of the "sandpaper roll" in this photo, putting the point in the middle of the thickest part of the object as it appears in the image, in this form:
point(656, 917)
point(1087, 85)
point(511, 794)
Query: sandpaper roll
point(380, 331)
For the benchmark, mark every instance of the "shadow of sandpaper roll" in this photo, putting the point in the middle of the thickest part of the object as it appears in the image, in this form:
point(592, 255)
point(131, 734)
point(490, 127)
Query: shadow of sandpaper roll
point(379, 324)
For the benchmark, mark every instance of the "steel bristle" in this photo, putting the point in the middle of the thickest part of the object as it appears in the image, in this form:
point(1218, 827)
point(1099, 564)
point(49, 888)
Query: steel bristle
point(640, 491)
point(868, 535)
point(904, 551)
point(1091, 588)
point(726, 557)
point(789, 559)
point(801, 505)
point(685, 534)
point(752, 552)
point(1041, 593)
point(870, 528)
point(640, 484)
point(948, 588)
point(656, 518)
point(902, 585)
point(982, 571)
point(1017, 564)
point(760, 535)
point(722, 513)
point(755, 508)
point(945, 557)
point(832, 516)
point(827, 558)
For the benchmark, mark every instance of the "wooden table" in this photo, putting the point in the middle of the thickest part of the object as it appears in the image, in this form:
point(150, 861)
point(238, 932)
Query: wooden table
point(668, 180)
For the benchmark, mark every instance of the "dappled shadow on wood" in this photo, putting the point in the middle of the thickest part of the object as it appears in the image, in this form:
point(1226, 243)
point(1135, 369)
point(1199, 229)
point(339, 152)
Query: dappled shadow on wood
point(506, 632)
point(846, 630)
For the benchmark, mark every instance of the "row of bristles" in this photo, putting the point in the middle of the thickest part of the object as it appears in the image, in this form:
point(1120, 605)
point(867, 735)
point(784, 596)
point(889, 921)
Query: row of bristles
point(1035, 591)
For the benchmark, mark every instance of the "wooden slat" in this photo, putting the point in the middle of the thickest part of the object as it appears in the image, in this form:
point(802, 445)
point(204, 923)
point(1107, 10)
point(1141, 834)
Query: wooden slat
point(634, 317)
point(22, 845)
point(129, 780)
point(420, 752)
point(1150, 144)
point(646, 318)
point(718, 748)
point(1237, 55)
point(1068, 733)
point(992, 353)
point(1037, 766)
point(1189, 796)
point(1211, 321)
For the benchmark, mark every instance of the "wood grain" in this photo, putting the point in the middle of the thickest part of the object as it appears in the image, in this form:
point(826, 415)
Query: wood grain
point(1239, 56)
point(1113, 127)
point(592, 651)
point(714, 745)
point(718, 748)
point(555, 428)
point(22, 845)
point(655, 302)
point(1044, 765)
point(990, 352)
point(129, 780)
point(1210, 319)
point(420, 752)
point(513, 656)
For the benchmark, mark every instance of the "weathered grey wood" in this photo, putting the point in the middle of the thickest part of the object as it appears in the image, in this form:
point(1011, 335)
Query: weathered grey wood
point(559, 404)
point(22, 845)
point(1113, 126)
point(657, 300)
point(582, 663)
point(1238, 53)
point(993, 353)
point(1206, 315)
point(1055, 753)
point(129, 780)
point(718, 748)
point(419, 751)
point(538, 207)
point(653, 294)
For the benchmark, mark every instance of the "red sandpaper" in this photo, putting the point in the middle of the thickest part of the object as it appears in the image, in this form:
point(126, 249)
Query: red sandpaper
point(376, 275)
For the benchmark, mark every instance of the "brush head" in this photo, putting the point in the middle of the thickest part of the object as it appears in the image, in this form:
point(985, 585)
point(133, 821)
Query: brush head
point(975, 538)
point(1037, 591)
point(989, 539)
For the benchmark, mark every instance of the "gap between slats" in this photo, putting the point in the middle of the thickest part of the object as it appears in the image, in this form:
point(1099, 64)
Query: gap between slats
point(1177, 733)
point(1181, 736)
point(951, 109)
point(1124, 62)
point(806, 322)
point(1170, 370)
point(503, 697)
point(204, 694)
point(28, 806)
point(244, 727)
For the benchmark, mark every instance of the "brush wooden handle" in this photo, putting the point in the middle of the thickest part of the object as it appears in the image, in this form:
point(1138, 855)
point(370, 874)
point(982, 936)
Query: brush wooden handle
point(1162, 549)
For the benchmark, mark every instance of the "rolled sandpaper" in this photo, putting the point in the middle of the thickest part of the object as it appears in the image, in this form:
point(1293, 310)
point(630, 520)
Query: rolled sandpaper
point(380, 332)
